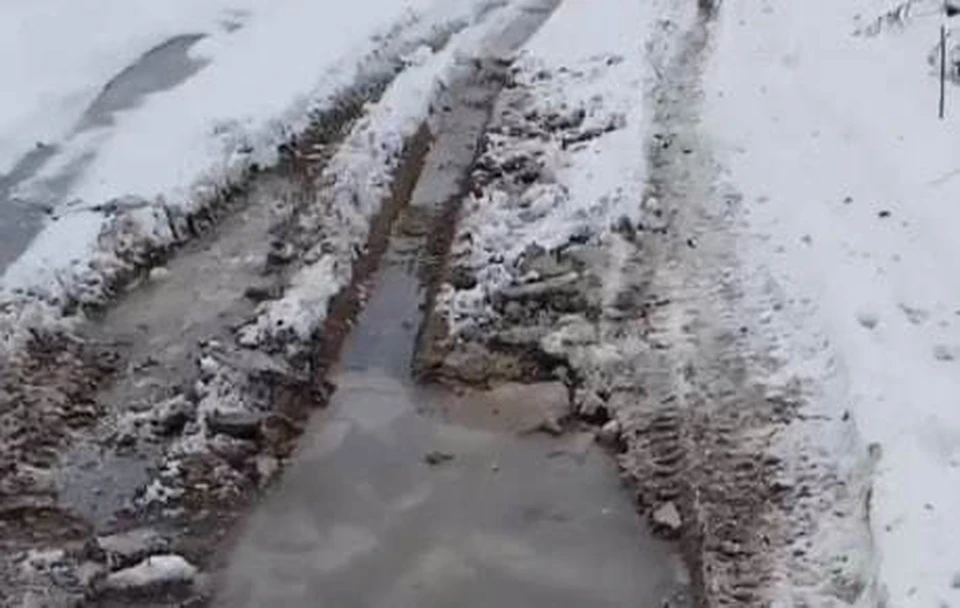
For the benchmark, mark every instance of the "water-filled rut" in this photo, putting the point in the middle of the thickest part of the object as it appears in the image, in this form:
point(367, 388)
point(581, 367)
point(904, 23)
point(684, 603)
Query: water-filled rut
point(403, 494)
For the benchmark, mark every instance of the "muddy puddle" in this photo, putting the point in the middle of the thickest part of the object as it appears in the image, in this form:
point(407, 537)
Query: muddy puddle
point(403, 494)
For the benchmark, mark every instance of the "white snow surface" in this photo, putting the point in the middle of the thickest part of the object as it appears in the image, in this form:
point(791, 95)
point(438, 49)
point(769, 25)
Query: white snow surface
point(825, 116)
point(174, 151)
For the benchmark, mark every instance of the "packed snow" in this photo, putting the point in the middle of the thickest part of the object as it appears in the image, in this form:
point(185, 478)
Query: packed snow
point(587, 134)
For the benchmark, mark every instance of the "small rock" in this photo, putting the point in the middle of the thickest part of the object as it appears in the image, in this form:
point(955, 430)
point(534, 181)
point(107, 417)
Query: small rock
point(462, 278)
point(549, 425)
point(158, 274)
point(260, 293)
point(609, 433)
point(883, 214)
point(955, 582)
point(667, 516)
point(437, 458)
point(125, 549)
point(154, 571)
point(172, 415)
point(234, 451)
point(239, 424)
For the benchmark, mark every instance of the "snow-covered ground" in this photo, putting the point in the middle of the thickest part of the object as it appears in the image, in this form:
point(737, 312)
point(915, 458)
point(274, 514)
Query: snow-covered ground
point(250, 84)
point(825, 116)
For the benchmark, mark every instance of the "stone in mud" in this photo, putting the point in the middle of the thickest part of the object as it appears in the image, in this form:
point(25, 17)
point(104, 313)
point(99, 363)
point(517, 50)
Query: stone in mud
point(609, 433)
point(126, 549)
point(234, 451)
point(436, 458)
point(239, 424)
point(545, 265)
point(627, 300)
point(154, 572)
point(280, 254)
point(172, 415)
point(158, 274)
point(462, 278)
point(541, 290)
point(262, 293)
point(571, 120)
point(667, 517)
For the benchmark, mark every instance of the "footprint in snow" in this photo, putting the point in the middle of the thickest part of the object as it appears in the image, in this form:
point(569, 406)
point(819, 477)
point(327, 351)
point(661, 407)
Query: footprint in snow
point(942, 352)
point(917, 316)
point(867, 319)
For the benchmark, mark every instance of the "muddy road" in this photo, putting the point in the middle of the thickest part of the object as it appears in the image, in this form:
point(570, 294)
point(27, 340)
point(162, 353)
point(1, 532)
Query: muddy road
point(160, 457)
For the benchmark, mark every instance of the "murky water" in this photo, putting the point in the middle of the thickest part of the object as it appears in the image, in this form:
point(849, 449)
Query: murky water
point(407, 495)
point(362, 517)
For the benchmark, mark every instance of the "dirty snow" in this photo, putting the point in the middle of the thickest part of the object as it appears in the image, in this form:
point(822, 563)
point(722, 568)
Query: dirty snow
point(590, 147)
point(826, 117)
point(174, 153)
point(54, 69)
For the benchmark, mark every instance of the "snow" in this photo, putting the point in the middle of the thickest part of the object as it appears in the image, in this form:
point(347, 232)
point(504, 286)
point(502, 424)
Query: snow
point(825, 117)
point(174, 152)
point(154, 570)
point(53, 67)
point(595, 84)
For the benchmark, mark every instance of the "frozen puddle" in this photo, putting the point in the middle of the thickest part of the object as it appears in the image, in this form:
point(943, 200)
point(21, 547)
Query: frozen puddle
point(408, 495)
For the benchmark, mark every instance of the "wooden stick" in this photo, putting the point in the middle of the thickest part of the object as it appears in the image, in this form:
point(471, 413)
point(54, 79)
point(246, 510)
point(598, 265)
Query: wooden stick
point(943, 68)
